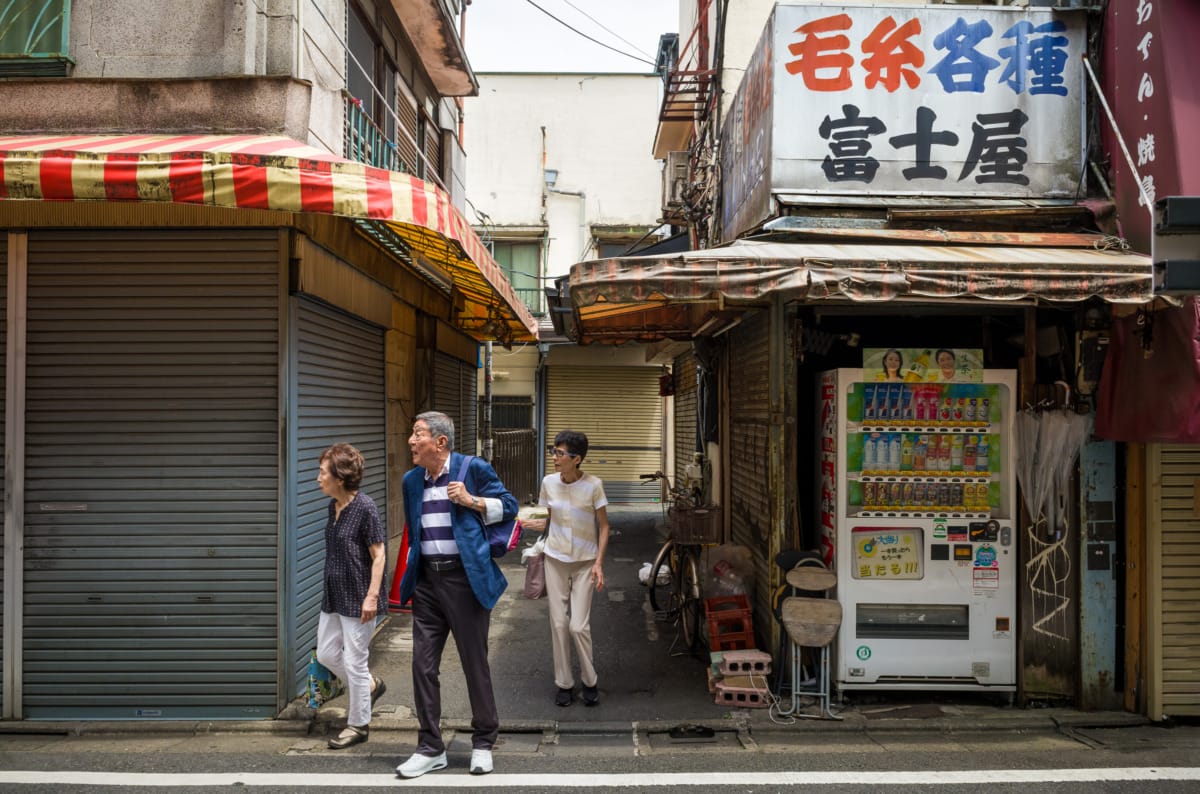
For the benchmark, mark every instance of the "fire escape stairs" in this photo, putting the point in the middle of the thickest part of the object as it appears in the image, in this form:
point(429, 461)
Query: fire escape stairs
point(687, 95)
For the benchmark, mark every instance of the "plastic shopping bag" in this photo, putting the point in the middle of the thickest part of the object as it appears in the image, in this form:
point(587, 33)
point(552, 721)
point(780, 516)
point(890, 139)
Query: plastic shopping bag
point(664, 575)
point(535, 570)
point(323, 685)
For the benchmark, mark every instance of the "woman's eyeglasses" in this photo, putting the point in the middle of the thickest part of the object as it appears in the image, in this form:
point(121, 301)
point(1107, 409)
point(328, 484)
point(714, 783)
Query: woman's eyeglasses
point(561, 453)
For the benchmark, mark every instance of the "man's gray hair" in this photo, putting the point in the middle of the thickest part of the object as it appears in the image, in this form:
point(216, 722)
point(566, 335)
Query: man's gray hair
point(439, 425)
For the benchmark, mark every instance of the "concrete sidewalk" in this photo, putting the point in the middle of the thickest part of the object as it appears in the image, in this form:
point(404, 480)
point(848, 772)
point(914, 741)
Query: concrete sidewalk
point(643, 685)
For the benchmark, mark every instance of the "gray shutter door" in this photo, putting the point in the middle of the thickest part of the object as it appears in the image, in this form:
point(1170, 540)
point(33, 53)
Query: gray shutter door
point(338, 391)
point(686, 419)
point(3, 416)
point(620, 411)
point(1177, 503)
point(454, 392)
point(151, 510)
point(749, 428)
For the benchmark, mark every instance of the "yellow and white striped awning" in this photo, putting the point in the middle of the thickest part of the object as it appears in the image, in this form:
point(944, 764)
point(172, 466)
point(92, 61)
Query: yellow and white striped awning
point(273, 173)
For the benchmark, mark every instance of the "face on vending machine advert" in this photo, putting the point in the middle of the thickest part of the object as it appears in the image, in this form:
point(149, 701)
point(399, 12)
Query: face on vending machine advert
point(922, 365)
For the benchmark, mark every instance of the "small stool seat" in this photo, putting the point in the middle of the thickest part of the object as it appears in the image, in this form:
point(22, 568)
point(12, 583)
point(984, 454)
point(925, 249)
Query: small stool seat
point(811, 578)
point(810, 623)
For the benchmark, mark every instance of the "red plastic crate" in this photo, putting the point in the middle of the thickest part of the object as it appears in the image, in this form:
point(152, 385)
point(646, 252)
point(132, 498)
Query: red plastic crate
point(733, 634)
point(730, 625)
point(724, 604)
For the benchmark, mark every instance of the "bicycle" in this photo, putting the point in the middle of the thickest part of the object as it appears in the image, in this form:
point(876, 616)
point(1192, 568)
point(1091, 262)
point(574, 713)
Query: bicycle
point(692, 527)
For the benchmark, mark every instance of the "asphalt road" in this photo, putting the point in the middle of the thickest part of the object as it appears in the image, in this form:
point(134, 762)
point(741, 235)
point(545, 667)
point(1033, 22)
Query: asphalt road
point(1141, 759)
point(943, 745)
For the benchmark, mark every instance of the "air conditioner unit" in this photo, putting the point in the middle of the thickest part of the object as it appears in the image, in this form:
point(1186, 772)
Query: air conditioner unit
point(1175, 247)
point(675, 178)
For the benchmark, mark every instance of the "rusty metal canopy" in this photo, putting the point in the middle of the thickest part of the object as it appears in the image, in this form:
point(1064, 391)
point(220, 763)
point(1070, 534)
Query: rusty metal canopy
point(656, 297)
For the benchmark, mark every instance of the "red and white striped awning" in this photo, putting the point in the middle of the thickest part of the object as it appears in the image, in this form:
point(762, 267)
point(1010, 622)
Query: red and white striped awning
point(271, 173)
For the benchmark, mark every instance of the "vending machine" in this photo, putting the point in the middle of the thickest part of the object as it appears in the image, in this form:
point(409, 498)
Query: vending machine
point(918, 512)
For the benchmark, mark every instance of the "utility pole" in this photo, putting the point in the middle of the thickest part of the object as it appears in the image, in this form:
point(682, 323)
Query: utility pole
point(488, 441)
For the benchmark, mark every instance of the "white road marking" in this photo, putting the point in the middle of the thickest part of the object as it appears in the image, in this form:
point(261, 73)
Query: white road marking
point(633, 780)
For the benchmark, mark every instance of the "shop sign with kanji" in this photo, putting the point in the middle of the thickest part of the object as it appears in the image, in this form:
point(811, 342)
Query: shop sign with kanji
point(943, 100)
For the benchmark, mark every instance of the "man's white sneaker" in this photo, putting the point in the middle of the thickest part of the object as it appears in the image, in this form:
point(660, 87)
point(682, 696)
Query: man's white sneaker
point(481, 762)
point(419, 764)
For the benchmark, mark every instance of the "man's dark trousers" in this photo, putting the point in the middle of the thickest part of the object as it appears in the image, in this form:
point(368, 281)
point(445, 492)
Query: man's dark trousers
point(443, 603)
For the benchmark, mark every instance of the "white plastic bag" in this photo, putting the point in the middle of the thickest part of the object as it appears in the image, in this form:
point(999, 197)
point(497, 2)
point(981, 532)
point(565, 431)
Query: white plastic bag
point(534, 550)
point(664, 574)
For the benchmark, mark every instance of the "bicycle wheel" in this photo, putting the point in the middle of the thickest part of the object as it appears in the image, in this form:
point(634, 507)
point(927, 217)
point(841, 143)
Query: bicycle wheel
point(689, 595)
point(660, 593)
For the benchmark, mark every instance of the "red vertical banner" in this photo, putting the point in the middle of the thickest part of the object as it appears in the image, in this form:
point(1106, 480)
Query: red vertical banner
point(827, 488)
point(1148, 45)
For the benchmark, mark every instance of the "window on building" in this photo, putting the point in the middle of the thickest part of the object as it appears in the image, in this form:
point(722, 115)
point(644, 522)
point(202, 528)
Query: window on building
point(385, 125)
point(509, 413)
point(521, 261)
point(361, 71)
point(625, 241)
point(35, 38)
point(606, 250)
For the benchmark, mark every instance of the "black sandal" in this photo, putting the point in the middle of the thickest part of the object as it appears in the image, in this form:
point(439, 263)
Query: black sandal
point(377, 692)
point(350, 736)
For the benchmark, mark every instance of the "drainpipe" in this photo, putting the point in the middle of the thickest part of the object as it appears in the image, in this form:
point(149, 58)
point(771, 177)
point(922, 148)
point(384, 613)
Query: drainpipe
point(458, 101)
point(539, 421)
point(488, 441)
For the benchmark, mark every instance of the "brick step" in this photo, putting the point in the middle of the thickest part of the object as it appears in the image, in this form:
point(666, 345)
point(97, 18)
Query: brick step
point(750, 661)
point(741, 692)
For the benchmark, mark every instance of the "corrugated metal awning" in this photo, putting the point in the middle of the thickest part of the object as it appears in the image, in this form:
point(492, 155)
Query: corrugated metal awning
point(645, 298)
point(273, 173)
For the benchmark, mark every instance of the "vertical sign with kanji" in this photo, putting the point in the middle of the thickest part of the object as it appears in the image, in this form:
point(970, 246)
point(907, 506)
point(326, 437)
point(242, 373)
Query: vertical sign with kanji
point(1149, 48)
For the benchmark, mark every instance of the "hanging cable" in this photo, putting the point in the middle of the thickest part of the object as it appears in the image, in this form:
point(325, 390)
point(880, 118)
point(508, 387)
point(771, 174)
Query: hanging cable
point(586, 36)
point(607, 30)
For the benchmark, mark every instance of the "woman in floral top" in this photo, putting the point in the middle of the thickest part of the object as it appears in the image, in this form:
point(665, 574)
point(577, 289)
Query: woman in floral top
point(355, 554)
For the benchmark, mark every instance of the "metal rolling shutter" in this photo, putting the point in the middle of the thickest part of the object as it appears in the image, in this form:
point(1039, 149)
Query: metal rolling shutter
point(454, 393)
point(749, 423)
point(338, 389)
point(621, 412)
point(1179, 502)
point(3, 415)
point(151, 482)
point(686, 393)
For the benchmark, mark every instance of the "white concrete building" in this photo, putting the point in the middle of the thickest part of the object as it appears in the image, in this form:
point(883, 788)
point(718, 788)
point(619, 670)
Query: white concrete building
point(560, 170)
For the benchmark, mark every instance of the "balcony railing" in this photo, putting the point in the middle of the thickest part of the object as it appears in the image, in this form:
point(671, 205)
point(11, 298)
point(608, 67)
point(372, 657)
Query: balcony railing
point(533, 298)
point(366, 143)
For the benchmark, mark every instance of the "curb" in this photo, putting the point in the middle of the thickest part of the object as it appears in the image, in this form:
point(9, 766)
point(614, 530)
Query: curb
point(39, 728)
point(1043, 720)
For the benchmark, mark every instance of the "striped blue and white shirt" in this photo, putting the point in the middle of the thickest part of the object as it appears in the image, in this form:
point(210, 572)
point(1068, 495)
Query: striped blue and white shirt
point(437, 535)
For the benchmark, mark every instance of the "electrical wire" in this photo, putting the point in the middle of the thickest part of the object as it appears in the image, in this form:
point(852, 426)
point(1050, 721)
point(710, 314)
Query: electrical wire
point(586, 36)
point(608, 30)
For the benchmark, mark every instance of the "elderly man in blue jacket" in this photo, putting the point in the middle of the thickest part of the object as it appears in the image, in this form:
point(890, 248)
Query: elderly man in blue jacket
point(453, 583)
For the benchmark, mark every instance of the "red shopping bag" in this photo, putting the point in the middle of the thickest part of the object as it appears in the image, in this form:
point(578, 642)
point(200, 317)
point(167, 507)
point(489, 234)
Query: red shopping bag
point(401, 566)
